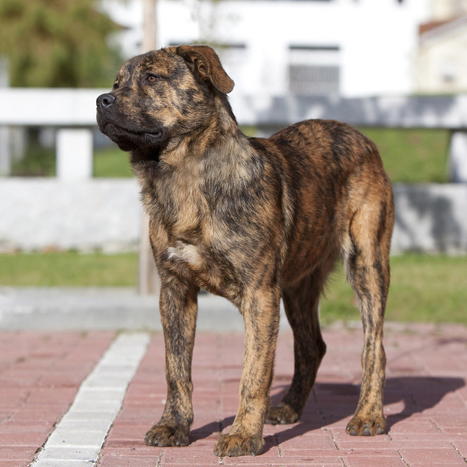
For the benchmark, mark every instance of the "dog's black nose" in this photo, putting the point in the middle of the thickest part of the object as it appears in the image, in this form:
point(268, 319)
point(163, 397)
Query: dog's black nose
point(105, 100)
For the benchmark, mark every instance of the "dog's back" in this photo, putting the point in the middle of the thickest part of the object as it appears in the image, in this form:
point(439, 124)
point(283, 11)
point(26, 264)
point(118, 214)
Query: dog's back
point(329, 171)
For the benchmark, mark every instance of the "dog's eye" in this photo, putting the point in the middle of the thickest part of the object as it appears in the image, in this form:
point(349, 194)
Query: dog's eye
point(115, 86)
point(151, 78)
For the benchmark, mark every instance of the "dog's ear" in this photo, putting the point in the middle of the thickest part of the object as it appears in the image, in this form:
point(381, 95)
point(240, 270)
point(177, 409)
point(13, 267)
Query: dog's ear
point(207, 64)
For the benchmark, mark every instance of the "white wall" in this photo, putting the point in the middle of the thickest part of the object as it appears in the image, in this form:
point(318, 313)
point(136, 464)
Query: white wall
point(46, 213)
point(442, 60)
point(106, 215)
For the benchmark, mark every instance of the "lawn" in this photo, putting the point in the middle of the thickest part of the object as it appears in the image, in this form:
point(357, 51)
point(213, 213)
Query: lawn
point(423, 288)
point(69, 269)
point(410, 156)
point(111, 162)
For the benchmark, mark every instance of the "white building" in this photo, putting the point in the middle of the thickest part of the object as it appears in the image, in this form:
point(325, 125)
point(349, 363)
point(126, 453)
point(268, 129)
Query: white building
point(275, 47)
point(442, 58)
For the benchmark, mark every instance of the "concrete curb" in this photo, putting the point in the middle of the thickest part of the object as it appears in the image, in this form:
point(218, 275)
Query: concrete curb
point(104, 308)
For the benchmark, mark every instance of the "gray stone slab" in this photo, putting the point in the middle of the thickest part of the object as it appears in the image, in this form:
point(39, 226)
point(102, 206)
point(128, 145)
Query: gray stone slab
point(106, 215)
point(104, 308)
point(66, 436)
point(68, 453)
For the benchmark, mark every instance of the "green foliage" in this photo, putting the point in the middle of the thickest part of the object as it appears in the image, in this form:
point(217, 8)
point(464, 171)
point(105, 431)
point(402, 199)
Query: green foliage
point(57, 43)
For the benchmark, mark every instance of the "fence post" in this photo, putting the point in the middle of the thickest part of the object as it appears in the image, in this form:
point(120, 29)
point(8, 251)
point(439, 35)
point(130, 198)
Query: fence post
point(148, 280)
point(5, 155)
point(74, 154)
point(458, 157)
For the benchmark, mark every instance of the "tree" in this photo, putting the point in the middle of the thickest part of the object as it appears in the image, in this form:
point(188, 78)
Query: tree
point(57, 43)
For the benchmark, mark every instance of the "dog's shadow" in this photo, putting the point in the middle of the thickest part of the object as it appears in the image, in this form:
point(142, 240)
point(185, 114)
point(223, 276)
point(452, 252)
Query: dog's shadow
point(331, 402)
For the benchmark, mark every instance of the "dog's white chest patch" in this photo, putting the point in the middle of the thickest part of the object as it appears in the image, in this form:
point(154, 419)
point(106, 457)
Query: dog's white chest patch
point(185, 252)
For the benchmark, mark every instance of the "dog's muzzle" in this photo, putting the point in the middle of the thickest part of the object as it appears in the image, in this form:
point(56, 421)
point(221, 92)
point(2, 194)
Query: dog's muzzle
point(117, 130)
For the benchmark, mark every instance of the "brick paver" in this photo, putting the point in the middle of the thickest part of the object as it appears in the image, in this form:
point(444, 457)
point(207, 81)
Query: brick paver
point(426, 399)
point(40, 373)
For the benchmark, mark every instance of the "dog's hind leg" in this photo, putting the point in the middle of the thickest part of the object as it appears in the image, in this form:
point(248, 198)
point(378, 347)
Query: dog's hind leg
point(301, 303)
point(367, 268)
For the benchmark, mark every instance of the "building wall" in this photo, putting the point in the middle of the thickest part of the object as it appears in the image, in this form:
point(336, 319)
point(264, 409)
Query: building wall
point(447, 9)
point(442, 60)
point(375, 41)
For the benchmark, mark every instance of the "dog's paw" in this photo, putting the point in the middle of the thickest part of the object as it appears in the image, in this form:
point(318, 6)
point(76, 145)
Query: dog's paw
point(165, 435)
point(281, 414)
point(238, 445)
point(367, 426)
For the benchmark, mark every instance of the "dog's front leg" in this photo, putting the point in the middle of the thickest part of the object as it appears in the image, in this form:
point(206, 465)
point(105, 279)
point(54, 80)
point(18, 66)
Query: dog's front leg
point(178, 309)
point(261, 316)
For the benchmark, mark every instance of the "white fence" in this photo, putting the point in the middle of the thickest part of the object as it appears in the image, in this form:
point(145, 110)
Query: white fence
point(76, 211)
point(73, 112)
point(47, 213)
point(105, 214)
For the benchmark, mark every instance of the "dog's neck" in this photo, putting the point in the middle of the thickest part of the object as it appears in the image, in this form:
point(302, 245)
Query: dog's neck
point(220, 130)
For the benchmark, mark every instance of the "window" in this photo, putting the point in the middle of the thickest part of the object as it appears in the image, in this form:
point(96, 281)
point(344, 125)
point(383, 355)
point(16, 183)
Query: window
point(314, 69)
point(448, 71)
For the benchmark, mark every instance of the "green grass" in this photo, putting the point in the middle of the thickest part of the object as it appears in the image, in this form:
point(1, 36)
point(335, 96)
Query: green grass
point(39, 162)
point(111, 162)
point(69, 269)
point(108, 162)
point(410, 156)
point(423, 288)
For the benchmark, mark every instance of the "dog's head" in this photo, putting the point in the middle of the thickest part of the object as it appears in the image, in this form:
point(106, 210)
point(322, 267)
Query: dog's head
point(162, 94)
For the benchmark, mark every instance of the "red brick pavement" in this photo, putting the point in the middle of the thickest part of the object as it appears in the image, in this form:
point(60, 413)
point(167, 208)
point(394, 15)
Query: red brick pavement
point(426, 404)
point(426, 399)
point(40, 373)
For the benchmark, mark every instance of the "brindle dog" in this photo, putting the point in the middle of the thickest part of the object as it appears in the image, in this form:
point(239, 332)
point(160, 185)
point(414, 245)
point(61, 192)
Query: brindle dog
point(253, 220)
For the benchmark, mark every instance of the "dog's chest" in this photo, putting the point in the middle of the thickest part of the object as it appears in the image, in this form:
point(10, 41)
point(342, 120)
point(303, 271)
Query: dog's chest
point(188, 237)
point(173, 200)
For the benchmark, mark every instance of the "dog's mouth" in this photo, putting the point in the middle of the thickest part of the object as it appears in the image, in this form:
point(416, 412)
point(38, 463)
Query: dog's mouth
point(128, 140)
